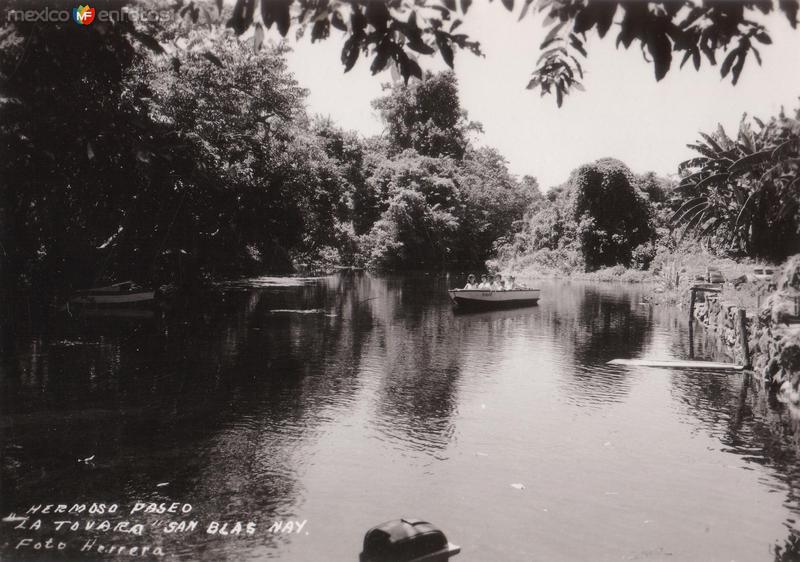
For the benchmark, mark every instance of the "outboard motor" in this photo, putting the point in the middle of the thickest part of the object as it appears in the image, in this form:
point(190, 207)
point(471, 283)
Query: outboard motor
point(407, 540)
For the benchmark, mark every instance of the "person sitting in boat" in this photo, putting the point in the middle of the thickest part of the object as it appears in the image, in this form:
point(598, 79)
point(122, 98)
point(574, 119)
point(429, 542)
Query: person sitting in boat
point(471, 283)
point(484, 284)
point(509, 284)
point(497, 284)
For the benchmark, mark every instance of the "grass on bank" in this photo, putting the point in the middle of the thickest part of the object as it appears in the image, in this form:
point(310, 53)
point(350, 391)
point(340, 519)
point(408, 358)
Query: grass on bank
point(671, 272)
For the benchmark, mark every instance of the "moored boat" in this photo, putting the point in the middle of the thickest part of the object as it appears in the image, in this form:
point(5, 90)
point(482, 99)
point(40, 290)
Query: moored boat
point(482, 298)
point(118, 294)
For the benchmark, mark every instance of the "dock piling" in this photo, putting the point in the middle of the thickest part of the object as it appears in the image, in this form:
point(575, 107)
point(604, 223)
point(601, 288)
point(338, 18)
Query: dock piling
point(742, 318)
point(691, 322)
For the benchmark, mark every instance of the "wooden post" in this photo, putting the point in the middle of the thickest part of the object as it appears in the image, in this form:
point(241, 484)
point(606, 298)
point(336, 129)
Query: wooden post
point(691, 322)
point(742, 316)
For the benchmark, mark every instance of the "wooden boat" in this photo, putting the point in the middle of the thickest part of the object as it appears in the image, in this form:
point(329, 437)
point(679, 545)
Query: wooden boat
point(118, 294)
point(481, 298)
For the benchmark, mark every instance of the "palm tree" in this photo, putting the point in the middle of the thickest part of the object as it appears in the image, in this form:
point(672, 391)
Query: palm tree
point(743, 195)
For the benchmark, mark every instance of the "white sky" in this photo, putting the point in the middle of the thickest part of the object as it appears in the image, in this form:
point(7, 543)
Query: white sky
point(624, 112)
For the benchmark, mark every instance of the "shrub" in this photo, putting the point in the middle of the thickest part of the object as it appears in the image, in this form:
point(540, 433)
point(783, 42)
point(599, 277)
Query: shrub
point(642, 255)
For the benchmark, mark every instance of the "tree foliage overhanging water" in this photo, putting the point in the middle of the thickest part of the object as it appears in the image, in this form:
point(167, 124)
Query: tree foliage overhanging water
point(168, 168)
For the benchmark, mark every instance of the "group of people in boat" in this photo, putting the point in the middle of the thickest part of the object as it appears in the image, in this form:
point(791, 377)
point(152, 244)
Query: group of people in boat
point(491, 283)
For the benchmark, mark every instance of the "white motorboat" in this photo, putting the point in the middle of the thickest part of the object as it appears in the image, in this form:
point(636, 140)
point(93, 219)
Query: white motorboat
point(482, 298)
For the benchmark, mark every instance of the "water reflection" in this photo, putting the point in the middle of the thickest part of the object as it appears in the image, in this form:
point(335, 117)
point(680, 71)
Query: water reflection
point(594, 324)
point(181, 403)
point(748, 422)
point(356, 398)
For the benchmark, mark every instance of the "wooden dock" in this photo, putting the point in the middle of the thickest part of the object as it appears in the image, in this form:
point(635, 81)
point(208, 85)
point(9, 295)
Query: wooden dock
point(677, 364)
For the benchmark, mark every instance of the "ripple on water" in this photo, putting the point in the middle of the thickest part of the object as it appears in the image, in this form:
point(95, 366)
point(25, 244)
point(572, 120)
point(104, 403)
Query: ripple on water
point(596, 385)
point(297, 311)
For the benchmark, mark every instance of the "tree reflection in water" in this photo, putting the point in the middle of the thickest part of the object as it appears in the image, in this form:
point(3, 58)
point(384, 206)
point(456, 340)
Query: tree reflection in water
point(419, 346)
point(240, 403)
point(596, 324)
point(735, 408)
point(216, 401)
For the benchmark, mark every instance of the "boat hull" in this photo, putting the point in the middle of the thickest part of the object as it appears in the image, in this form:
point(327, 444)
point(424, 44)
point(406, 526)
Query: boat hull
point(114, 299)
point(468, 299)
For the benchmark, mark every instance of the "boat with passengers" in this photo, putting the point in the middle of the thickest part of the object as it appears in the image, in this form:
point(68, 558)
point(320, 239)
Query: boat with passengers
point(494, 294)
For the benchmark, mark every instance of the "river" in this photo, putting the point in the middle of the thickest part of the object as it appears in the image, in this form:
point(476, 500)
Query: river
point(349, 400)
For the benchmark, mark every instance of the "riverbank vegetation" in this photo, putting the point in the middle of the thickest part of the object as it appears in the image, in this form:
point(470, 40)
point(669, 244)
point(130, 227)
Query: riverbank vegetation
point(196, 157)
point(185, 150)
point(604, 216)
point(736, 202)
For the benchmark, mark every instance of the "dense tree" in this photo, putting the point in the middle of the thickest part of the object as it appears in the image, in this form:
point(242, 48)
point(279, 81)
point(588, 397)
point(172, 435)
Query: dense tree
point(239, 118)
point(427, 116)
point(547, 240)
point(68, 145)
point(161, 168)
point(657, 189)
point(743, 194)
point(530, 185)
point(350, 155)
point(423, 208)
point(603, 216)
point(613, 218)
point(439, 199)
point(494, 201)
point(439, 211)
point(166, 168)
point(549, 223)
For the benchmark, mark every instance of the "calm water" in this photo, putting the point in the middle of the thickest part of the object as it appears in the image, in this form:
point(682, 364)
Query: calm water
point(350, 400)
